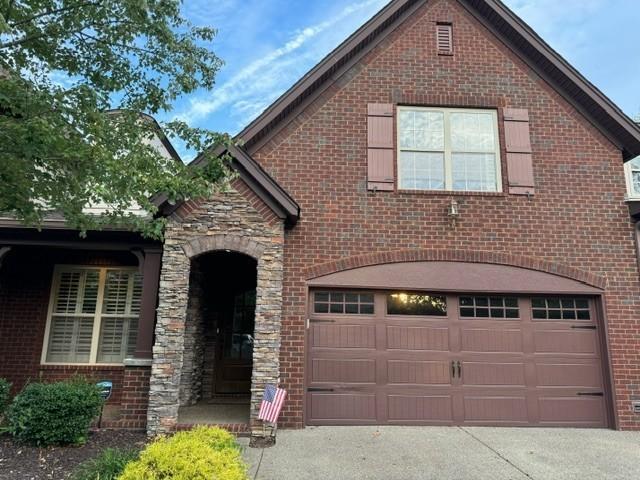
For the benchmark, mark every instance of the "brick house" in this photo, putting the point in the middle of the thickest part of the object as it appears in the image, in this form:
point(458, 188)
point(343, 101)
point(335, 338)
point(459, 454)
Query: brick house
point(409, 241)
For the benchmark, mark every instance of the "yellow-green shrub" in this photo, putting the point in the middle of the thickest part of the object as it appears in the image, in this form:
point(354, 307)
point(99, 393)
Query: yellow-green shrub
point(201, 454)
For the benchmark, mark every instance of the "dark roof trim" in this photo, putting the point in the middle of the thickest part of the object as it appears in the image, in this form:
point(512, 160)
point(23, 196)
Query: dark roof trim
point(515, 33)
point(159, 131)
point(67, 238)
point(605, 115)
point(330, 68)
point(258, 180)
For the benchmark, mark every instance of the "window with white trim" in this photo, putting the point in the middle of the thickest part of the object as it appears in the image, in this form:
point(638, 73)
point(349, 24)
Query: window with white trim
point(448, 149)
point(632, 172)
point(93, 315)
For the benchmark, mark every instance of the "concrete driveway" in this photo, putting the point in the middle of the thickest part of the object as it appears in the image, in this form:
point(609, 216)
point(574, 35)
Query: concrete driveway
point(441, 453)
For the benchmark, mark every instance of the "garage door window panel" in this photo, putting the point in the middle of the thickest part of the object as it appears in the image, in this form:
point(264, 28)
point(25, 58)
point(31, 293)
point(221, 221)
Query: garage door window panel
point(560, 309)
point(417, 304)
point(347, 303)
point(489, 307)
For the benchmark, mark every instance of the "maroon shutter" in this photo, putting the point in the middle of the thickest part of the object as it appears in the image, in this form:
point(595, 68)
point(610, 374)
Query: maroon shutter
point(518, 146)
point(380, 147)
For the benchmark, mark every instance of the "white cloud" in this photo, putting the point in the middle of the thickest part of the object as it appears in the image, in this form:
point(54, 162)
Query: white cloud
point(251, 89)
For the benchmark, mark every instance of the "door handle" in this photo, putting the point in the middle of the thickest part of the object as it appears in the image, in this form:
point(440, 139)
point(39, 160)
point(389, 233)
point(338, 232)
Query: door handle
point(453, 369)
point(459, 369)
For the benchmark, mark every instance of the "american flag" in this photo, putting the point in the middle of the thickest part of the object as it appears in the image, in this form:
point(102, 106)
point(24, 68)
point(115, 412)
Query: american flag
point(272, 403)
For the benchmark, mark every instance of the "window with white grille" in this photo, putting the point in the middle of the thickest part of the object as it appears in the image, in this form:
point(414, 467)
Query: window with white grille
point(448, 149)
point(632, 170)
point(93, 316)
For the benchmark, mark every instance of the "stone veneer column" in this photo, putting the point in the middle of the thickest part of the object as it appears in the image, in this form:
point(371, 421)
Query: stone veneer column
point(166, 370)
point(193, 357)
point(266, 348)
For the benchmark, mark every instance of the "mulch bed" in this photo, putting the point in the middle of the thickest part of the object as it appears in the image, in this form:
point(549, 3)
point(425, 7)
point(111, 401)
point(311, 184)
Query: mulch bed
point(22, 462)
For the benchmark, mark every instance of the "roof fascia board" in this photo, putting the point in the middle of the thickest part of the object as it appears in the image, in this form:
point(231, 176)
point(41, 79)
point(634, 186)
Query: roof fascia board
point(257, 172)
point(541, 73)
point(256, 178)
point(565, 67)
point(257, 188)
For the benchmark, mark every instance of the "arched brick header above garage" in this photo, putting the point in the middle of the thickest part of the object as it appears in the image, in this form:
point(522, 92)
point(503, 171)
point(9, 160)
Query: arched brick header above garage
point(453, 276)
point(559, 270)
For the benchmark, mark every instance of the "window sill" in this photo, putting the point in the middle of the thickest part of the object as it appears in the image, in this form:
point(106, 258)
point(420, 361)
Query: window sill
point(452, 193)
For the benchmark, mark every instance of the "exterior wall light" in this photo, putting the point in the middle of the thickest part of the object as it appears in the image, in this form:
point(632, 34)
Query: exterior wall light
point(454, 212)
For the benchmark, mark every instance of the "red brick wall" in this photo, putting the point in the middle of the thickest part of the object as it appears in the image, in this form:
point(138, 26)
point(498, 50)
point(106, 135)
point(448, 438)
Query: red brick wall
point(135, 398)
point(25, 281)
point(577, 218)
point(94, 374)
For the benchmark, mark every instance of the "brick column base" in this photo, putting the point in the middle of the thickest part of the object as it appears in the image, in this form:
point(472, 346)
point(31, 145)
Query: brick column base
point(135, 394)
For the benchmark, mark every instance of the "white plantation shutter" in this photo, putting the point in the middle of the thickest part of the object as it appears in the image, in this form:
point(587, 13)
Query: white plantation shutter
point(120, 311)
point(86, 299)
point(73, 316)
point(70, 340)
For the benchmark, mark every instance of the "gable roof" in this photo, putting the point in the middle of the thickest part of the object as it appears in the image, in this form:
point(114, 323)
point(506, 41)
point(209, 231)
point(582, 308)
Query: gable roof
point(256, 178)
point(494, 15)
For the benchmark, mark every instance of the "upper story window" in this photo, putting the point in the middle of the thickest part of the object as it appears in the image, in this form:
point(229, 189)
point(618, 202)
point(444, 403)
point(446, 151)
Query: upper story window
point(632, 171)
point(448, 149)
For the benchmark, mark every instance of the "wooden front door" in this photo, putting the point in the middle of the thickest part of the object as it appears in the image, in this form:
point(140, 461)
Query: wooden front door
point(235, 346)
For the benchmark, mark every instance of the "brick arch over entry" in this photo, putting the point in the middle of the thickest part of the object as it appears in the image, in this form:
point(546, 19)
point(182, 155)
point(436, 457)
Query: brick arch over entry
point(234, 243)
point(471, 256)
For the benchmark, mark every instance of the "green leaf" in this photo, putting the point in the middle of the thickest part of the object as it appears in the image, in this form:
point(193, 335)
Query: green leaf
point(63, 65)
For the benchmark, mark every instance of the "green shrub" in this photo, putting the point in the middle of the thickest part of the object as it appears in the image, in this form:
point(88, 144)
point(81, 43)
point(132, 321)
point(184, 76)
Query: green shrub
point(106, 466)
point(55, 413)
point(5, 390)
point(201, 454)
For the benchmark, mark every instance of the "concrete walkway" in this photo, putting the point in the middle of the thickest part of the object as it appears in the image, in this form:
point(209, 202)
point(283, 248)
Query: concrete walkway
point(442, 453)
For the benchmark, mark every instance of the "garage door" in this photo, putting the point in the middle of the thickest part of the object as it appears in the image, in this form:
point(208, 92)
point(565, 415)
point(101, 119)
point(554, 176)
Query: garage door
point(430, 359)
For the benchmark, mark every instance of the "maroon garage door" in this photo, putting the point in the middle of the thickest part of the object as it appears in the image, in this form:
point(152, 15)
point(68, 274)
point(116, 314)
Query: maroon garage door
point(428, 359)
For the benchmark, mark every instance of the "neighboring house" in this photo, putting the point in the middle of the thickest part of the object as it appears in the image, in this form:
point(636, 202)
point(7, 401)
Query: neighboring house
point(429, 228)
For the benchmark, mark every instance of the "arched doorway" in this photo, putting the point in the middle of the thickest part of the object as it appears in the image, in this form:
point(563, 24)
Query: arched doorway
point(219, 339)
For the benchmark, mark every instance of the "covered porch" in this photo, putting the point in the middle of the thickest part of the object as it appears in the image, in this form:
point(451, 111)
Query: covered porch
point(72, 306)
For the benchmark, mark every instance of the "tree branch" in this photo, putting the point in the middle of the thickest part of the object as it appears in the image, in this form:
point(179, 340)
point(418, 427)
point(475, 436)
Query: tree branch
point(54, 12)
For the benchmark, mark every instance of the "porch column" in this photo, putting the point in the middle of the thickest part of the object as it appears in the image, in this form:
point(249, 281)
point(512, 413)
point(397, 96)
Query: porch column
point(137, 370)
point(146, 323)
point(168, 350)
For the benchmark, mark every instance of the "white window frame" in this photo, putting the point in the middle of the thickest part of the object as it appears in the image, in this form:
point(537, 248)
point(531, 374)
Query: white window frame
point(448, 162)
point(631, 193)
point(97, 319)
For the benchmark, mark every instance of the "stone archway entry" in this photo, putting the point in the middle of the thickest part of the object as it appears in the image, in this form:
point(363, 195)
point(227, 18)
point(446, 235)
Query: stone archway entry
point(177, 371)
point(219, 337)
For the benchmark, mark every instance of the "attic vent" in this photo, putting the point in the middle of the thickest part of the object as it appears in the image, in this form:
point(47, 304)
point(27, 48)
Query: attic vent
point(444, 38)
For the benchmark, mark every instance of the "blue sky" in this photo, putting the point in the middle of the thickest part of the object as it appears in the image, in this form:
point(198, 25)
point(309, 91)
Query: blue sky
point(267, 45)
